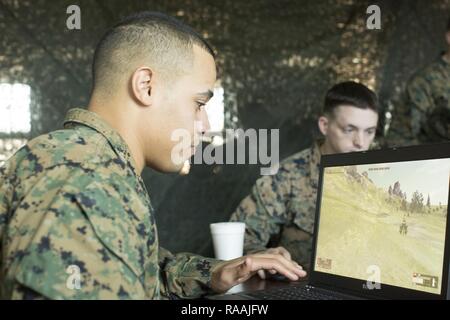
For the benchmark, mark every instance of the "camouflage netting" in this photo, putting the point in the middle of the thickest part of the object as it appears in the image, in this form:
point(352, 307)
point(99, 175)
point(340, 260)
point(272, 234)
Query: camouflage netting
point(276, 59)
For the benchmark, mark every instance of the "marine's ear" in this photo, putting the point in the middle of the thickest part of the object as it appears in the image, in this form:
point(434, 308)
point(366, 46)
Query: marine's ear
point(323, 125)
point(141, 86)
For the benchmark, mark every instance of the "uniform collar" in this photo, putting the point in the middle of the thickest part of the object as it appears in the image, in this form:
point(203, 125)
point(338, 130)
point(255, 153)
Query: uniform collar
point(94, 121)
point(443, 61)
point(315, 158)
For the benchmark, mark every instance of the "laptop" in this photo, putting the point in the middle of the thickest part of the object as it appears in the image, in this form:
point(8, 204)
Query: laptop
point(381, 228)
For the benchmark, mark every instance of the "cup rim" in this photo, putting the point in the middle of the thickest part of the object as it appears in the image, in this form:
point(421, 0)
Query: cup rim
point(227, 227)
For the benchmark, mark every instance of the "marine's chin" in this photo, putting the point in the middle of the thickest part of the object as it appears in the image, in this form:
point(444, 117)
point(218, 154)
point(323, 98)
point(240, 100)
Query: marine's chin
point(167, 166)
point(185, 168)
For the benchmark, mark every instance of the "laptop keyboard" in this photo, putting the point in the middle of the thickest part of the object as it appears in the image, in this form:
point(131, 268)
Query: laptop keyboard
point(293, 293)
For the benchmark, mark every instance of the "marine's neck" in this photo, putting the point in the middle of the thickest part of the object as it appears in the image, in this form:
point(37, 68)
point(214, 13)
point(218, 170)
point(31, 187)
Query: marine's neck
point(325, 148)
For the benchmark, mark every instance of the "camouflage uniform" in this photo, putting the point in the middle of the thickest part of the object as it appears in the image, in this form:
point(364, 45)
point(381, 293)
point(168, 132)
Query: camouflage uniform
point(280, 210)
point(424, 116)
point(73, 198)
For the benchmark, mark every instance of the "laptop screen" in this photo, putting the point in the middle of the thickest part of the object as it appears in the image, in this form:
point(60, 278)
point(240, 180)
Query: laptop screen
point(385, 223)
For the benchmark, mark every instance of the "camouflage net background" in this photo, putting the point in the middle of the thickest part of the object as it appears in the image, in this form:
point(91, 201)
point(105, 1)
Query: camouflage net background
point(276, 59)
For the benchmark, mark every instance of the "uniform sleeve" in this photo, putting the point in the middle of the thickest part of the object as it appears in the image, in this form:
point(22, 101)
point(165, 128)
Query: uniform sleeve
point(20, 292)
point(86, 244)
point(410, 113)
point(400, 131)
point(264, 211)
point(3, 204)
point(185, 275)
point(75, 247)
point(420, 102)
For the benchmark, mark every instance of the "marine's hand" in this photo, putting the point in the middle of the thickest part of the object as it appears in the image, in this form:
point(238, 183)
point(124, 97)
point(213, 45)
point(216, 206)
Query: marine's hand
point(277, 250)
point(230, 273)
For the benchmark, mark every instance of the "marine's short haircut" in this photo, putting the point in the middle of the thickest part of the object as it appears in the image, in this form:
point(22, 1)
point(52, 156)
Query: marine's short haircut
point(158, 40)
point(349, 93)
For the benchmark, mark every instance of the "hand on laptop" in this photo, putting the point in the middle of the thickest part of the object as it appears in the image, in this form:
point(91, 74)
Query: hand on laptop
point(230, 273)
point(277, 250)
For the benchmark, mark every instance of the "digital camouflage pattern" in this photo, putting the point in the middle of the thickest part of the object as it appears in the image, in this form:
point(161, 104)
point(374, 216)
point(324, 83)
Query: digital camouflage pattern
point(280, 210)
point(424, 115)
point(73, 198)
